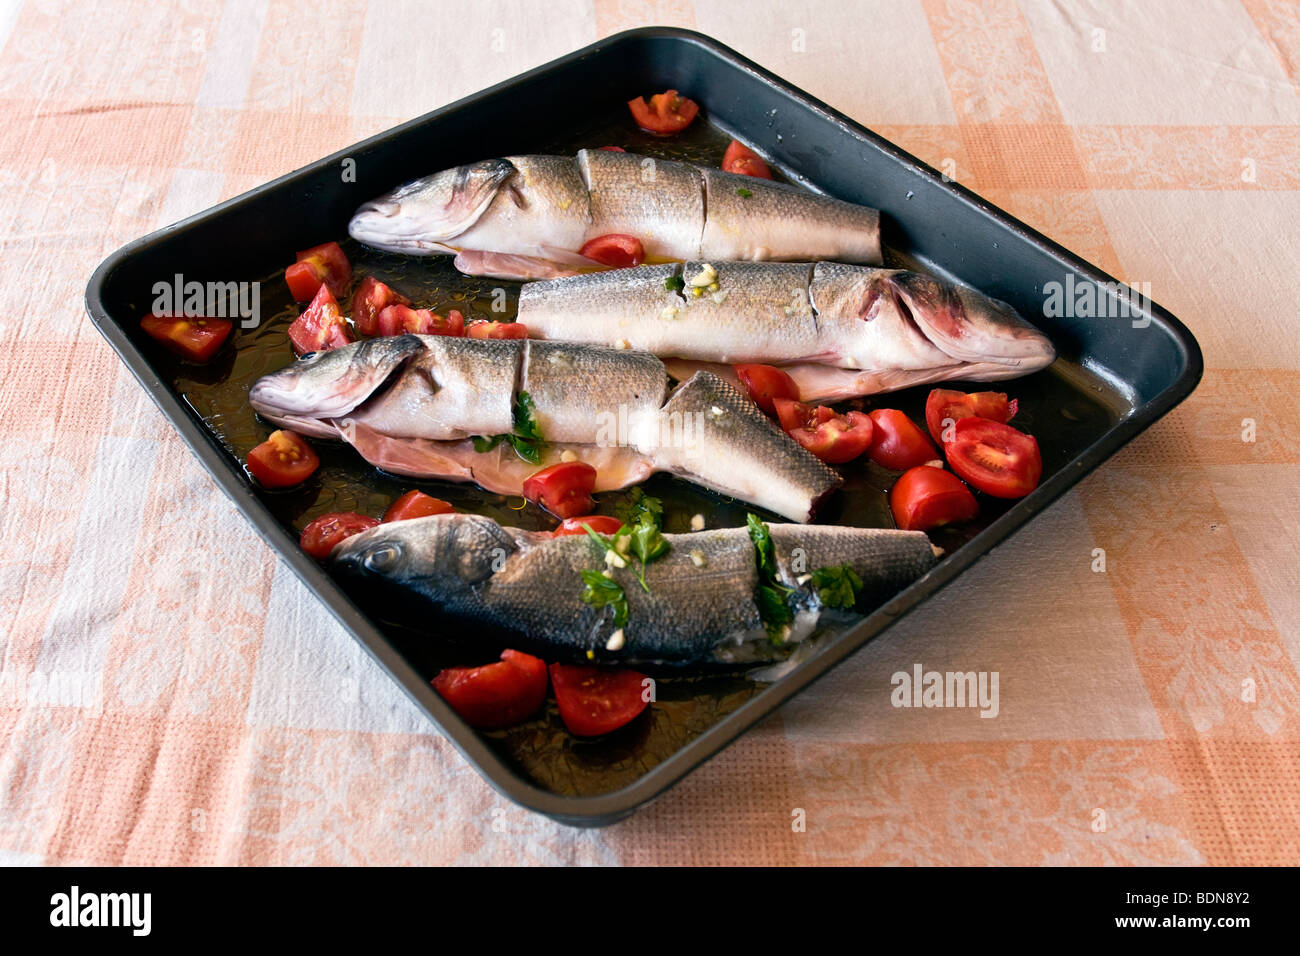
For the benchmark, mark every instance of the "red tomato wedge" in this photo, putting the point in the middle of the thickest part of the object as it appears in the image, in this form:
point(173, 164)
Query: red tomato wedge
point(402, 319)
point(496, 330)
point(283, 460)
point(666, 113)
point(616, 250)
point(945, 403)
point(739, 158)
point(321, 326)
point(371, 298)
point(319, 538)
point(995, 458)
point(765, 383)
point(833, 438)
point(925, 497)
point(613, 149)
point(564, 489)
point(897, 443)
point(495, 695)
point(416, 504)
point(595, 701)
point(601, 524)
point(195, 340)
point(327, 264)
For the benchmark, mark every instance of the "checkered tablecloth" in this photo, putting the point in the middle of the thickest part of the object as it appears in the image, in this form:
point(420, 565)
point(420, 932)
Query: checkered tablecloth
point(1149, 713)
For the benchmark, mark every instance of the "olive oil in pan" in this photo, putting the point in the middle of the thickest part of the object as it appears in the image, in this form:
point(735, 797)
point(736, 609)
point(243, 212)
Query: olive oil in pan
point(1066, 408)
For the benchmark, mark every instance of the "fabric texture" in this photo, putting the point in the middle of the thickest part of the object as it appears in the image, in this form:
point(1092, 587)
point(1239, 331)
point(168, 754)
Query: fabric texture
point(171, 694)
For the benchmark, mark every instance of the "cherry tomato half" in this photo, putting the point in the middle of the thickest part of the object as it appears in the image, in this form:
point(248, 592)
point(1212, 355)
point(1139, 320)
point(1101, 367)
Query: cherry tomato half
point(595, 701)
point(945, 403)
point(196, 339)
point(319, 538)
point(416, 504)
point(402, 319)
point(739, 158)
point(321, 326)
point(766, 383)
point(564, 489)
point(601, 524)
point(833, 438)
point(897, 443)
point(616, 250)
point(495, 695)
point(997, 459)
point(371, 298)
point(666, 113)
point(925, 497)
point(496, 330)
point(283, 460)
point(327, 264)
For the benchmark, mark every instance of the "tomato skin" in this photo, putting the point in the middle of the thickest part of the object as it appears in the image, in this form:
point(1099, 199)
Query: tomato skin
point(324, 264)
point(765, 383)
point(320, 537)
point(613, 149)
point(739, 158)
point(194, 339)
point(371, 298)
point(498, 695)
point(997, 459)
point(595, 701)
point(402, 319)
point(321, 327)
point(945, 403)
point(601, 524)
point(666, 113)
point(496, 330)
point(925, 497)
point(416, 504)
point(564, 489)
point(898, 444)
point(835, 439)
point(283, 460)
point(616, 250)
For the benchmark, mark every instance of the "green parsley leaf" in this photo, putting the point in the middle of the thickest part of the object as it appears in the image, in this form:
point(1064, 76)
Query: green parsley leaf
point(837, 586)
point(764, 550)
point(488, 442)
point(601, 591)
point(773, 610)
point(743, 193)
point(674, 284)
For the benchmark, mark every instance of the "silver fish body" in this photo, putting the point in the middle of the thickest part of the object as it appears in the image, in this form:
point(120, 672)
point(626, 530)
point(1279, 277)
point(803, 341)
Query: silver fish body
point(527, 217)
point(700, 608)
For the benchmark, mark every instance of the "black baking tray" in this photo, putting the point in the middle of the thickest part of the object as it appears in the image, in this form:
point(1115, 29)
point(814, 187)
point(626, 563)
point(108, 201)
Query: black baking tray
point(1128, 370)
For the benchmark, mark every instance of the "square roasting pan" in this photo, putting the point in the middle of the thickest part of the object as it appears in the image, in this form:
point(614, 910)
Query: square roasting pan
point(1143, 363)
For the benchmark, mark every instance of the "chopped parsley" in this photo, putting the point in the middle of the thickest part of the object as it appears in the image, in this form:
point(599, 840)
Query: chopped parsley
point(837, 586)
point(771, 596)
point(743, 193)
point(674, 284)
point(601, 591)
point(526, 439)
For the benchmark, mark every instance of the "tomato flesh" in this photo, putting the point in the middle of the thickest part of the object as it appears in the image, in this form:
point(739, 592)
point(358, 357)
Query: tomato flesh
point(601, 524)
point(564, 489)
point(194, 339)
point(495, 695)
point(402, 319)
point(666, 113)
point(283, 460)
point(835, 439)
point(613, 149)
point(897, 443)
point(944, 403)
point(595, 701)
point(496, 330)
point(325, 264)
point(321, 326)
point(371, 298)
point(320, 537)
point(765, 384)
point(616, 250)
point(926, 497)
point(416, 504)
point(739, 158)
point(997, 459)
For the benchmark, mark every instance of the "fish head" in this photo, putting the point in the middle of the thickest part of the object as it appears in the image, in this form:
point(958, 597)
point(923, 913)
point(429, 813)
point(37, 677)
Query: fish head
point(972, 327)
point(423, 215)
point(440, 555)
point(326, 385)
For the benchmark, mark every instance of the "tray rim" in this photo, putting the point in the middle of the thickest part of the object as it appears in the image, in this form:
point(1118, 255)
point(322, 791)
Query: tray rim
point(606, 808)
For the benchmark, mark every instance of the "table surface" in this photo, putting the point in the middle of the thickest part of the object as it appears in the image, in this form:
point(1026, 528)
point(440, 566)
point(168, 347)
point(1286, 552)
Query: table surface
point(1148, 712)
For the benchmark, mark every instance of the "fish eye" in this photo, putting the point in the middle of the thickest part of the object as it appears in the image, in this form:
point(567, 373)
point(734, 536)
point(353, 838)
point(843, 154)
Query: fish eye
point(381, 558)
point(307, 356)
